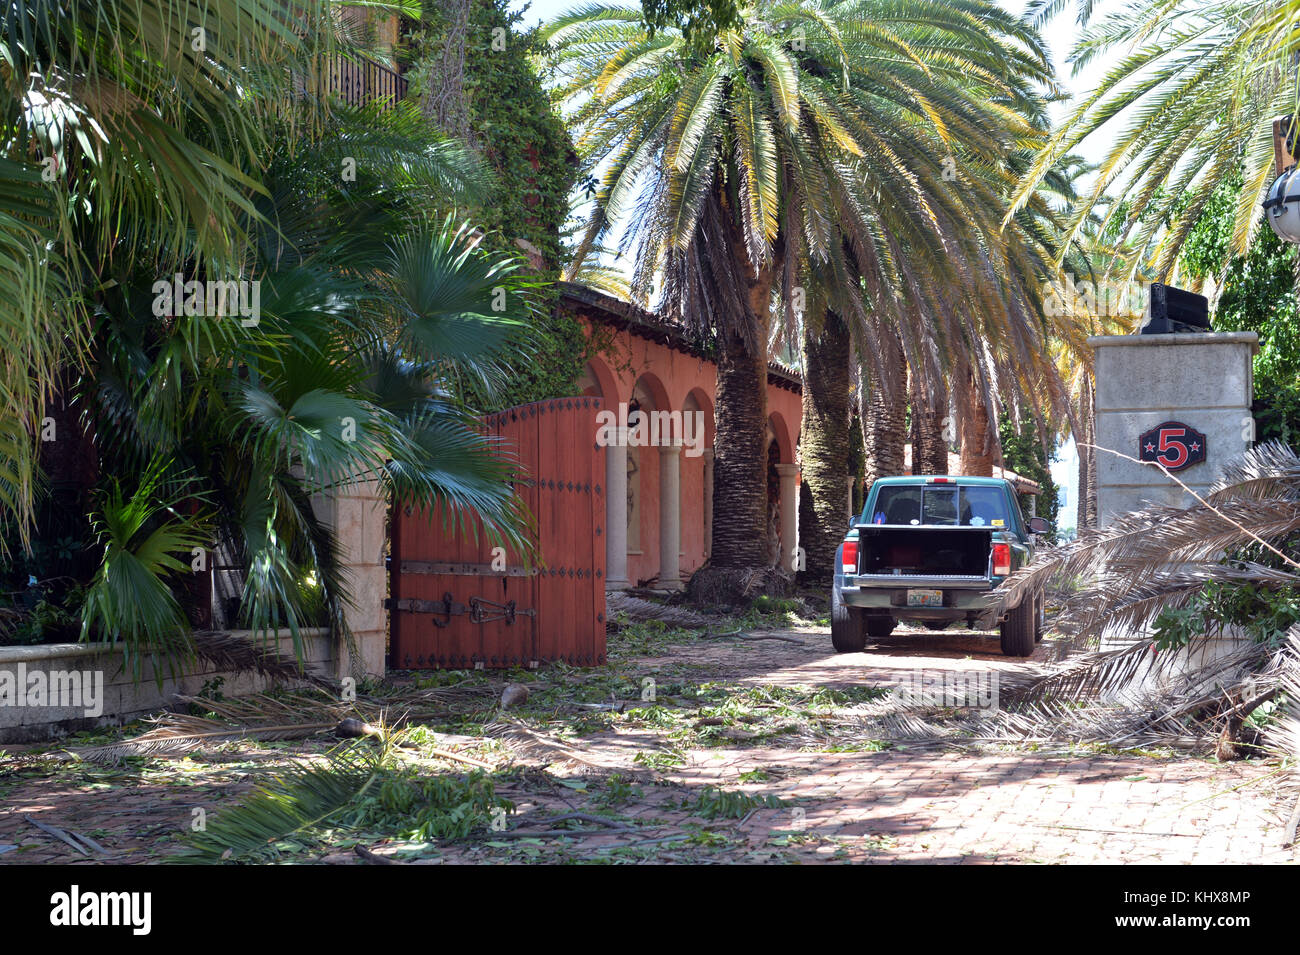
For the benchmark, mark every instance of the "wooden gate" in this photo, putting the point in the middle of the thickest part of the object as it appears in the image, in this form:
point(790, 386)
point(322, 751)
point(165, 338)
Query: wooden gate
point(451, 608)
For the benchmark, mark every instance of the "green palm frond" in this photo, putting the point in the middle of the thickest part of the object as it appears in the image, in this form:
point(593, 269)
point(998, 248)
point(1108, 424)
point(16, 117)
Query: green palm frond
point(297, 801)
point(146, 541)
point(1185, 108)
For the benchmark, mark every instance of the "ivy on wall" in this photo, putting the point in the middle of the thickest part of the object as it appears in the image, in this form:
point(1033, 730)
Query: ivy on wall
point(470, 64)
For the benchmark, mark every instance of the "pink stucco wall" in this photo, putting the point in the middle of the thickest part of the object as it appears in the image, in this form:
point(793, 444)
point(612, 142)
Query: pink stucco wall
point(670, 376)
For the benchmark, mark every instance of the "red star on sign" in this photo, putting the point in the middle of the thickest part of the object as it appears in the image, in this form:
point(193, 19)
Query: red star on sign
point(1150, 447)
point(1196, 446)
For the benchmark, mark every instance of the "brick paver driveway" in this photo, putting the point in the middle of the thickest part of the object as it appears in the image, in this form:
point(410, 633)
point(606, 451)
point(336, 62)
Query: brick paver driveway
point(914, 804)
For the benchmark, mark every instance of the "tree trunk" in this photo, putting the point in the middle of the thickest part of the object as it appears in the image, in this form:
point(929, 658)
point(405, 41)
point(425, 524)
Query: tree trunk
point(824, 444)
point(739, 464)
point(884, 419)
point(1086, 515)
point(978, 450)
point(929, 445)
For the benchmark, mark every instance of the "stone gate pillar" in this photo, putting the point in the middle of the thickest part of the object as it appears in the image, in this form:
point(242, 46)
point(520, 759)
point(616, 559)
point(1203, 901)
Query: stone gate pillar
point(357, 513)
point(1183, 400)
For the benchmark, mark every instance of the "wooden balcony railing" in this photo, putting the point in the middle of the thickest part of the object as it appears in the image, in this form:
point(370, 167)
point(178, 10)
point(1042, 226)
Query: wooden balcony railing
point(361, 82)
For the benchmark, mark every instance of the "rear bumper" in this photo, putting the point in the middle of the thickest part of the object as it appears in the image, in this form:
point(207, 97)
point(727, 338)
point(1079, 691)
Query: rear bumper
point(964, 598)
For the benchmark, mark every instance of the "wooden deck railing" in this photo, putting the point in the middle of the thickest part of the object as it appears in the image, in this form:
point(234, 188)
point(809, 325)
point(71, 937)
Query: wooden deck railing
point(361, 82)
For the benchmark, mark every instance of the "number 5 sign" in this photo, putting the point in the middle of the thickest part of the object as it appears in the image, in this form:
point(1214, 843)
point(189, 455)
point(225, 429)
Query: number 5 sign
point(1172, 444)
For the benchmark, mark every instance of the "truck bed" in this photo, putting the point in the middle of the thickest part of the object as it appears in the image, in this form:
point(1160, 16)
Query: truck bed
point(934, 552)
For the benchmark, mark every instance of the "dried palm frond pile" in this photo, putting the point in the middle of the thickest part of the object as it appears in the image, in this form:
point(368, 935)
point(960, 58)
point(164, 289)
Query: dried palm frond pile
point(276, 717)
point(638, 610)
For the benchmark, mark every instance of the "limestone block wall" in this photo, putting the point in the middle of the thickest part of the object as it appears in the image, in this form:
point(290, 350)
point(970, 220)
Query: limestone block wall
point(116, 697)
point(1201, 380)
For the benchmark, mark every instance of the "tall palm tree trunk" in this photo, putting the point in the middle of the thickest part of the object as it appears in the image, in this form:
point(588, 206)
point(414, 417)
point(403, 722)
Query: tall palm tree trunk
point(739, 464)
point(1086, 515)
point(978, 448)
point(884, 417)
point(824, 444)
point(929, 446)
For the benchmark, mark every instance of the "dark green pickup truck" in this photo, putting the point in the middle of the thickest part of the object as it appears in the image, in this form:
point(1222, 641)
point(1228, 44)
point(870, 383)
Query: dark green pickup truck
point(932, 549)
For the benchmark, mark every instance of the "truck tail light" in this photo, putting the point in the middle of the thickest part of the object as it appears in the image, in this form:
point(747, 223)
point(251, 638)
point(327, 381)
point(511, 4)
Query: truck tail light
point(849, 557)
point(938, 480)
point(1001, 560)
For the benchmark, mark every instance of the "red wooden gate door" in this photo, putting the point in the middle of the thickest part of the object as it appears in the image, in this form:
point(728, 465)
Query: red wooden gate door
point(453, 607)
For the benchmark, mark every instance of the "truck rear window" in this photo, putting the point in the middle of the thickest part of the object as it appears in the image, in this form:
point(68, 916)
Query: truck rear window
point(941, 506)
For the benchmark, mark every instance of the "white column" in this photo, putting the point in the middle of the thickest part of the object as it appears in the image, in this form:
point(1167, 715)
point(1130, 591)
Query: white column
point(616, 513)
point(789, 513)
point(670, 516)
point(708, 501)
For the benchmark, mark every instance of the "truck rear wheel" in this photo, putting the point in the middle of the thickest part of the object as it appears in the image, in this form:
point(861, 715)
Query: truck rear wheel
point(880, 626)
point(847, 633)
point(1019, 627)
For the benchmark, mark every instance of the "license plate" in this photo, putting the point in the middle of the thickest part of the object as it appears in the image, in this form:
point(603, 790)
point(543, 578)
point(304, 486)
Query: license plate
point(925, 598)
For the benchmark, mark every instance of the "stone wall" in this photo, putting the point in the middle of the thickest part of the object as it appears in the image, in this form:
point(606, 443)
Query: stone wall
point(119, 699)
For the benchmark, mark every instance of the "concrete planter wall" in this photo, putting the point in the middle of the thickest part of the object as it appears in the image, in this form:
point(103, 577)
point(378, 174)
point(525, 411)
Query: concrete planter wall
point(75, 668)
point(1172, 666)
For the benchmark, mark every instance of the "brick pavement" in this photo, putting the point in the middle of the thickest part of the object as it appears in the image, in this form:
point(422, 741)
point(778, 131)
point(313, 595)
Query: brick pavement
point(922, 805)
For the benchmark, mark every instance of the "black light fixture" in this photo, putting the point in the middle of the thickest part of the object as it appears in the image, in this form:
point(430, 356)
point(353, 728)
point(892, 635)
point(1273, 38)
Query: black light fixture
point(1282, 206)
point(1176, 311)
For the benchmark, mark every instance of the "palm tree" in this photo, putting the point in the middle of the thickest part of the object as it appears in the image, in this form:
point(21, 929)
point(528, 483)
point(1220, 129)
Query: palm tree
point(800, 156)
point(366, 318)
point(176, 141)
point(1186, 106)
point(124, 124)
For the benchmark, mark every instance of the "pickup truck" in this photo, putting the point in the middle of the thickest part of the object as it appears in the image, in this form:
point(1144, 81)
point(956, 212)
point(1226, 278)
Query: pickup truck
point(932, 548)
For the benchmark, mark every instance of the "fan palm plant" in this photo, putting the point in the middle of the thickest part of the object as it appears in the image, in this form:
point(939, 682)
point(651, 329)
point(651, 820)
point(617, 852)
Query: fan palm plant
point(851, 142)
point(125, 128)
point(169, 138)
point(366, 317)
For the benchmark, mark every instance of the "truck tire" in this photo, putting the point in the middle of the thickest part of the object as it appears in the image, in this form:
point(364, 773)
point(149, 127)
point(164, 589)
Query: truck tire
point(1040, 617)
point(880, 626)
point(847, 634)
point(1018, 629)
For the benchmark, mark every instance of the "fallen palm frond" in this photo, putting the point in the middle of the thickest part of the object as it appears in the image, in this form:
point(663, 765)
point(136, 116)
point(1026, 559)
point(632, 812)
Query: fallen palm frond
point(525, 741)
point(636, 609)
point(260, 717)
point(1286, 734)
point(234, 654)
point(300, 799)
point(1106, 675)
point(176, 734)
point(1163, 556)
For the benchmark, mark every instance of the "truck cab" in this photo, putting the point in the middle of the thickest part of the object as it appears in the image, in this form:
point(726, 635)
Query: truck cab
point(933, 548)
